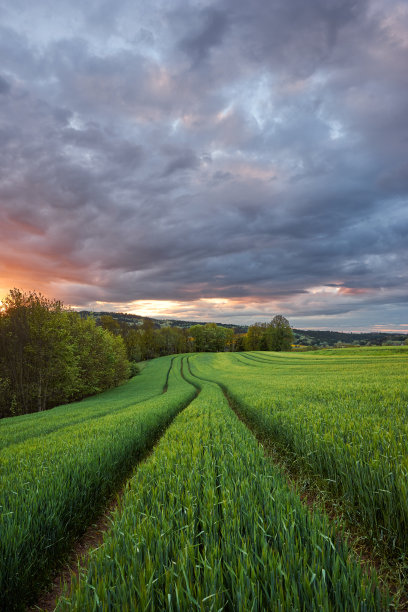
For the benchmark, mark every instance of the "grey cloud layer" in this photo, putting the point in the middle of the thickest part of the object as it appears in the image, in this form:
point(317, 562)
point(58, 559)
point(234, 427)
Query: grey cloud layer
point(220, 149)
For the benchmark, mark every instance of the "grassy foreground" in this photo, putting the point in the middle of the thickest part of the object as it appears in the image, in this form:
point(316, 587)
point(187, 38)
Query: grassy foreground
point(64, 464)
point(342, 413)
point(207, 523)
point(148, 384)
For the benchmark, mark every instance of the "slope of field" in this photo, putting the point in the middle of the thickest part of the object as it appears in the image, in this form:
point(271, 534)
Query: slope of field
point(60, 466)
point(207, 523)
point(148, 384)
point(342, 412)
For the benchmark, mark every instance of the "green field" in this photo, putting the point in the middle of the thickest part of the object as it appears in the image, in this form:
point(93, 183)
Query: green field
point(342, 412)
point(208, 522)
point(66, 462)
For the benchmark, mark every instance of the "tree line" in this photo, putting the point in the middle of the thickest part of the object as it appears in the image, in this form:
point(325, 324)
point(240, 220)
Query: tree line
point(147, 341)
point(50, 355)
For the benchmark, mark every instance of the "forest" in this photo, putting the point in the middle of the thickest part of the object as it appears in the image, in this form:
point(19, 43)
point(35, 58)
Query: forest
point(50, 355)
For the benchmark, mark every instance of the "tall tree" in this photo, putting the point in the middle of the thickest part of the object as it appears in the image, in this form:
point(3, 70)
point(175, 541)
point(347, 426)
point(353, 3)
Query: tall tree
point(255, 338)
point(37, 356)
point(210, 337)
point(148, 339)
point(111, 324)
point(49, 355)
point(279, 334)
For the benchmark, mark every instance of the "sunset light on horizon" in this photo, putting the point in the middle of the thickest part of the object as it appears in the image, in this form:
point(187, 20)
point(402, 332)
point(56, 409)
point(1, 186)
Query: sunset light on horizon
point(208, 161)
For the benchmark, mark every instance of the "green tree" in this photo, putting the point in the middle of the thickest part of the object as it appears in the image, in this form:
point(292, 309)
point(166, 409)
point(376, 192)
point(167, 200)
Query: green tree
point(213, 337)
point(279, 334)
point(37, 357)
point(239, 342)
point(210, 337)
point(111, 324)
point(148, 340)
point(198, 338)
point(133, 341)
point(171, 340)
point(255, 338)
point(49, 355)
point(14, 337)
point(229, 339)
point(101, 356)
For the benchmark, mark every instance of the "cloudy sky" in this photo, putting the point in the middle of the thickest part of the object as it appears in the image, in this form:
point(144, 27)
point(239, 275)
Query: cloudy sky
point(218, 160)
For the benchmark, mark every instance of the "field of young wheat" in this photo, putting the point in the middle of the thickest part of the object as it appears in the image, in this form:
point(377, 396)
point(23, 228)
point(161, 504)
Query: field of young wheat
point(208, 522)
point(343, 413)
point(58, 467)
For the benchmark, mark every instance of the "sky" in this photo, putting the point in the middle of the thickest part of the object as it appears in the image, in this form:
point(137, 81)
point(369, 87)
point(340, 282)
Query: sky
point(208, 160)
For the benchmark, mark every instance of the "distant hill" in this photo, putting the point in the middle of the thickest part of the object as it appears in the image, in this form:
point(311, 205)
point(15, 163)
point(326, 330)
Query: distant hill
point(302, 336)
point(137, 320)
point(329, 338)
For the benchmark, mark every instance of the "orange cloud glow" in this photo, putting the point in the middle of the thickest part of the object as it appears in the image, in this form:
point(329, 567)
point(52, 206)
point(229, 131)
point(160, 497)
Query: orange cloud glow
point(354, 290)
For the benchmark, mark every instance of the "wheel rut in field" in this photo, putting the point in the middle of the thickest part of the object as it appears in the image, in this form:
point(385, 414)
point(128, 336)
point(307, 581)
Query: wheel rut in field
point(197, 387)
point(244, 362)
point(166, 384)
point(258, 359)
point(309, 495)
point(93, 536)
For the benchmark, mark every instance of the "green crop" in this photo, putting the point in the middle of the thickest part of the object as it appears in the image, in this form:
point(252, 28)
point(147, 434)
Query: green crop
point(207, 523)
point(52, 484)
point(343, 413)
point(148, 384)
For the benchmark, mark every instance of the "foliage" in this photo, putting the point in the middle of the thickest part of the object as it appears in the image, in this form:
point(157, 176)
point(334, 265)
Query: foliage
point(255, 339)
point(279, 335)
point(309, 337)
point(49, 355)
point(210, 337)
point(148, 341)
point(274, 336)
point(110, 324)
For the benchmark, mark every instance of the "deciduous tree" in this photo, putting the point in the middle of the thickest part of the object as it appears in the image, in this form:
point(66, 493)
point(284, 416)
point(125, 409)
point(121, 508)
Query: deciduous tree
point(279, 335)
point(49, 355)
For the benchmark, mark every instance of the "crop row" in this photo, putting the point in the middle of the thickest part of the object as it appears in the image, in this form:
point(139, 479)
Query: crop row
point(344, 415)
point(207, 523)
point(140, 388)
point(54, 484)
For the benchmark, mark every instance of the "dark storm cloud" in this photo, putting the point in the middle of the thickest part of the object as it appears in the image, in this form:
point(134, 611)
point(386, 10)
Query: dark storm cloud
point(249, 151)
point(181, 160)
point(294, 37)
point(4, 86)
point(213, 24)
